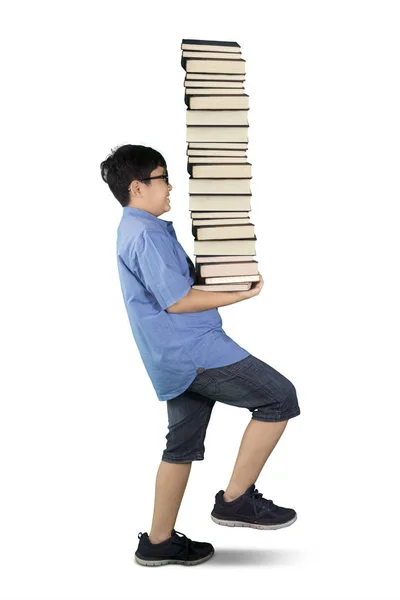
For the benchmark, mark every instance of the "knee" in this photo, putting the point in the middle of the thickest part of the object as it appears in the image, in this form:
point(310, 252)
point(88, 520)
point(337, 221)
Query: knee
point(291, 403)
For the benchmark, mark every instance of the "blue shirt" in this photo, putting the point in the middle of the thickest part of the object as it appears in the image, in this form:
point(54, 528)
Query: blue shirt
point(155, 272)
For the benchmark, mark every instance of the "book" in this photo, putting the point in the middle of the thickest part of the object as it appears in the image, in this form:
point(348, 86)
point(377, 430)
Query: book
point(228, 269)
point(220, 145)
point(201, 259)
point(215, 247)
point(214, 202)
point(219, 186)
point(224, 232)
point(246, 268)
point(208, 54)
point(226, 133)
point(210, 45)
point(223, 170)
point(221, 221)
point(223, 84)
point(216, 101)
point(215, 159)
point(203, 152)
point(220, 174)
point(220, 91)
point(219, 215)
point(223, 287)
point(214, 77)
point(217, 117)
point(211, 65)
point(238, 279)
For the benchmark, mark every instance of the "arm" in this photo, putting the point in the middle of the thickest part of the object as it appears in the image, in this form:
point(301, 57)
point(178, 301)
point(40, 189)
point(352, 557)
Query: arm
point(198, 300)
point(161, 274)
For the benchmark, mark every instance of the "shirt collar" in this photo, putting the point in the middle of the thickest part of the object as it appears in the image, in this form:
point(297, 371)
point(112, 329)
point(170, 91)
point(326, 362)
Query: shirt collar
point(138, 212)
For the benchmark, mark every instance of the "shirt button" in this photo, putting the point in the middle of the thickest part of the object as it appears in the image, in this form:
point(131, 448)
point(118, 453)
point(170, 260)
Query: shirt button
point(200, 370)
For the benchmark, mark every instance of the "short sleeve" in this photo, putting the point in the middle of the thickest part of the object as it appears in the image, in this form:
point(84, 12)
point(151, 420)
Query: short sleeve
point(159, 268)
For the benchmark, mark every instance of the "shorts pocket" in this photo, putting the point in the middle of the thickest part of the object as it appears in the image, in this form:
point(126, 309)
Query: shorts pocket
point(246, 364)
point(201, 381)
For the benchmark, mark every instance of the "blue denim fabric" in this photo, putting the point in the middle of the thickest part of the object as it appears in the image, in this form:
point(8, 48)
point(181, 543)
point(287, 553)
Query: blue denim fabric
point(249, 383)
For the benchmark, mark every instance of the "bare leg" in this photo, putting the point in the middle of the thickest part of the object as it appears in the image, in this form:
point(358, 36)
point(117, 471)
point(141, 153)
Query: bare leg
point(259, 439)
point(170, 486)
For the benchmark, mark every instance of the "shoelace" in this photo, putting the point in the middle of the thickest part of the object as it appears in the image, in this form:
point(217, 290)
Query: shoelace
point(260, 502)
point(185, 543)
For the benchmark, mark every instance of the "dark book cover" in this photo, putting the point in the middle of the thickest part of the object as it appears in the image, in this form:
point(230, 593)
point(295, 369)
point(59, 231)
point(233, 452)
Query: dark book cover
point(202, 141)
point(209, 43)
point(216, 110)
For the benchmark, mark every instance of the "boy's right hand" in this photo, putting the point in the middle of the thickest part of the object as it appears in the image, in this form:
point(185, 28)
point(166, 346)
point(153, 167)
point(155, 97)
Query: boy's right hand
point(253, 291)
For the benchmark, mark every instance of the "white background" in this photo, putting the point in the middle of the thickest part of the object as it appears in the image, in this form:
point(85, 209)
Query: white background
point(81, 429)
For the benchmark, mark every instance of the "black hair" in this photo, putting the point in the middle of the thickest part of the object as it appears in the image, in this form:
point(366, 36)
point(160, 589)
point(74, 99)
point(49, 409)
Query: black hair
point(126, 163)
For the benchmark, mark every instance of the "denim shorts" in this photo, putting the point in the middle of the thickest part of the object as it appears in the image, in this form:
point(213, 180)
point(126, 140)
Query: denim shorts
point(249, 383)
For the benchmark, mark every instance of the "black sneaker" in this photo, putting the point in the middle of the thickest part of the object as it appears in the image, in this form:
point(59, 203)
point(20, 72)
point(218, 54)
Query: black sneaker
point(251, 510)
point(175, 551)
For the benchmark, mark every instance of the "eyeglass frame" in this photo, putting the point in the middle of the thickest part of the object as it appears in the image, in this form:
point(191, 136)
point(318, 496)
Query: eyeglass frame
point(156, 177)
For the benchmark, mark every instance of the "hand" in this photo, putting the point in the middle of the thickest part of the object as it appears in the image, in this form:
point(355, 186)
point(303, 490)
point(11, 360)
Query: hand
point(253, 291)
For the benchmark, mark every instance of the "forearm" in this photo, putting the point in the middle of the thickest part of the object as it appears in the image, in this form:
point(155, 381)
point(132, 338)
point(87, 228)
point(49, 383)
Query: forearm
point(199, 300)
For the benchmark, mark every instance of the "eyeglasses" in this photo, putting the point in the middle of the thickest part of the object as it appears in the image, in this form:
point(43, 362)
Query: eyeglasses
point(157, 177)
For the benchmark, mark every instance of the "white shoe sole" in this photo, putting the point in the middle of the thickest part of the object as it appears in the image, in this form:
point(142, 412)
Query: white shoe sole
point(252, 525)
point(160, 563)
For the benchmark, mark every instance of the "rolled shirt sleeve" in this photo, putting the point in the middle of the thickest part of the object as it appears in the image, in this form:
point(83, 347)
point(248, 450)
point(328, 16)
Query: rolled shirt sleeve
point(159, 268)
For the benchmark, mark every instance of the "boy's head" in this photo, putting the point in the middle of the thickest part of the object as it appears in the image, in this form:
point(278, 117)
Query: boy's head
point(138, 177)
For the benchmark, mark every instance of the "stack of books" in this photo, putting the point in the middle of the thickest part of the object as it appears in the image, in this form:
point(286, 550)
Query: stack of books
point(219, 184)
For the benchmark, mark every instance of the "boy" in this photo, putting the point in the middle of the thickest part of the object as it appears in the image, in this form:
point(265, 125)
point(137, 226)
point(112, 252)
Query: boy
point(191, 362)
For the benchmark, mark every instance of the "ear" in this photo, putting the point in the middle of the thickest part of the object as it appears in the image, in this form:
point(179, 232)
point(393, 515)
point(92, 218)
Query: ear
point(135, 188)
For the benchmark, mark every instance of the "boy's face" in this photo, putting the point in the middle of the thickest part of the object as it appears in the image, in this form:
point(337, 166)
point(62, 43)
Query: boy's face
point(152, 198)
